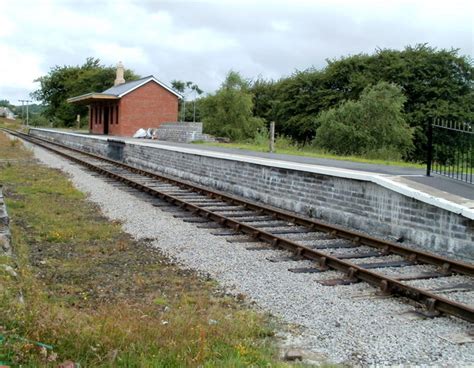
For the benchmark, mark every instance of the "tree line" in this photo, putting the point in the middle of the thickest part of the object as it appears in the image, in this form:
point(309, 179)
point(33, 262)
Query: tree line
point(361, 104)
point(385, 99)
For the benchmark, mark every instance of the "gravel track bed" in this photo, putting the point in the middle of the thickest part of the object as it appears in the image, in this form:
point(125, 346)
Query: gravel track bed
point(341, 323)
point(462, 297)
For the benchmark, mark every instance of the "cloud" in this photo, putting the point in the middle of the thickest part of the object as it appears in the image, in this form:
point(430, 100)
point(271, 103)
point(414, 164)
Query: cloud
point(202, 40)
point(18, 69)
point(111, 52)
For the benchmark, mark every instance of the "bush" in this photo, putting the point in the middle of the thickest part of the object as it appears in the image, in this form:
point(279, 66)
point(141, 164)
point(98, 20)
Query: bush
point(228, 112)
point(285, 142)
point(372, 126)
point(261, 137)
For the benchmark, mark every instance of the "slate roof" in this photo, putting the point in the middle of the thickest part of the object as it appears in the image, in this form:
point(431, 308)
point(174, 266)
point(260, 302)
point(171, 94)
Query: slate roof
point(116, 92)
point(123, 89)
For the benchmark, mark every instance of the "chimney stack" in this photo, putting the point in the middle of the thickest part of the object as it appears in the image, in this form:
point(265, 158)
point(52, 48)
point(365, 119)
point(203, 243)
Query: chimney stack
point(119, 77)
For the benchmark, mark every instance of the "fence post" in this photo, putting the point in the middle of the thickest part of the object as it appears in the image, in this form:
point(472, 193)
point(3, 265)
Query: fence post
point(429, 157)
point(272, 137)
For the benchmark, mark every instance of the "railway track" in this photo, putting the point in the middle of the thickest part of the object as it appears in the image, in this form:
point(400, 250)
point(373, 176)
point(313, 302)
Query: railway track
point(388, 266)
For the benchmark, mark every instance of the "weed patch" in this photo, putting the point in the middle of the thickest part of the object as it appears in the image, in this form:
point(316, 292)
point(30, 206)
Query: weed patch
point(284, 145)
point(89, 293)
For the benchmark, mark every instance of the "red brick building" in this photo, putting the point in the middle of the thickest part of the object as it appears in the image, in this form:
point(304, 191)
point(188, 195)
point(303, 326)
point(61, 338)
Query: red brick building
point(126, 107)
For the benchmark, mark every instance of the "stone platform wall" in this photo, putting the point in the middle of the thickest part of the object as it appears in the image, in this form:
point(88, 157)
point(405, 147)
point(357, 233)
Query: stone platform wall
point(182, 132)
point(357, 204)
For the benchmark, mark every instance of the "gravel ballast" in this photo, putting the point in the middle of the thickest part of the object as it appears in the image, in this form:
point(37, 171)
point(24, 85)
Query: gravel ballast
point(341, 324)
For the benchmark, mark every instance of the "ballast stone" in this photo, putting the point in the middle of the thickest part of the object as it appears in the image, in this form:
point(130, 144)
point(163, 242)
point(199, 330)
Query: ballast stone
point(366, 336)
point(293, 355)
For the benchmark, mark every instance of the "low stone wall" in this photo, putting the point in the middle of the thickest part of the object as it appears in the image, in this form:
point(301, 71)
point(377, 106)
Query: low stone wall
point(353, 203)
point(5, 235)
point(184, 132)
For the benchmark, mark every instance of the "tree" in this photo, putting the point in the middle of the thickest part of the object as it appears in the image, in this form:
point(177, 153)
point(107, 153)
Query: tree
point(435, 83)
point(63, 82)
point(228, 112)
point(373, 125)
point(6, 103)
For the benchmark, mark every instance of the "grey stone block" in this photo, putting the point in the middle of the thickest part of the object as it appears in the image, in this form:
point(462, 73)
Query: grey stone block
point(5, 242)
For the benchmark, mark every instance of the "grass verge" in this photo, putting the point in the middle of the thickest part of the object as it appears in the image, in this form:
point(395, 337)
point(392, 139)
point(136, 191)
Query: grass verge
point(308, 151)
point(88, 293)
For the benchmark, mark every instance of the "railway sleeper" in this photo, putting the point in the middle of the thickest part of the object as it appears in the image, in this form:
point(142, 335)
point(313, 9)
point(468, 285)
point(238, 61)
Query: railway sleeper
point(433, 302)
point(195, 220)
point(244, 239)
point(335, 244)
point(251, 219)
point(221, 207)
point(402, 263)
point(368, 254)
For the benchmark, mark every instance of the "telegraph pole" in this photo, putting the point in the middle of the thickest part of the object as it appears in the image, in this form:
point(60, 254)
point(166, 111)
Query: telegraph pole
point(22, 111)
point(27, 113)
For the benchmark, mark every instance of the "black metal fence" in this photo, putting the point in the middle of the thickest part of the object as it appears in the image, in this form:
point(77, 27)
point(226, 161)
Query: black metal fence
point(451, 149)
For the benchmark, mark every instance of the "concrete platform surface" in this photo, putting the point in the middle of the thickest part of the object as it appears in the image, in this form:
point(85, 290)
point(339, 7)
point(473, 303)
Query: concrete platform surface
point(411, 175)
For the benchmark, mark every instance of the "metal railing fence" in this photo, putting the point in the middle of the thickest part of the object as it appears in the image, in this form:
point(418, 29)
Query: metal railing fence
point(451, 149)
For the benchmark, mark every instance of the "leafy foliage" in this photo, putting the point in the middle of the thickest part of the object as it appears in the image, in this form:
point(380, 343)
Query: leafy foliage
point(182, 86)
point(373, 124)
point(435, 83)
point(63, 82)
point(228, 112)
point(6, 103)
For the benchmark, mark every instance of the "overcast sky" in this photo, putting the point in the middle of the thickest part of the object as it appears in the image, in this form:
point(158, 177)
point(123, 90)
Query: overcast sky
point(202, 40)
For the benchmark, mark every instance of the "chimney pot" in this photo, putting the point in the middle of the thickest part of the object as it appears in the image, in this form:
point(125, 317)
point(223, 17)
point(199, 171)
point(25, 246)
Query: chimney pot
point(119, 75)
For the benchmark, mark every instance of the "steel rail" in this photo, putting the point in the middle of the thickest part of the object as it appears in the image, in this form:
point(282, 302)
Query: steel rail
point(448, 265)
point(433, 302)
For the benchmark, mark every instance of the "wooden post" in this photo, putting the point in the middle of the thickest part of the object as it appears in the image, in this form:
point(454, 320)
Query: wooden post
point(272, 137)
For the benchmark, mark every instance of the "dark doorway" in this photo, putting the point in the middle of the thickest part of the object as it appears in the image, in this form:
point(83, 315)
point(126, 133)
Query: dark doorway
point(106, 119)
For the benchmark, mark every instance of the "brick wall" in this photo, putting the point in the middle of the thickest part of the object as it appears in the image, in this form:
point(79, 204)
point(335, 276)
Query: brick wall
point(353, 203)
point(146, 107)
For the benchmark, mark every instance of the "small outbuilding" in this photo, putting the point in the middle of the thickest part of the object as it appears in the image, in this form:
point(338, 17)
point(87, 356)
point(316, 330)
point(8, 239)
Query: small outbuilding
point(128, 106)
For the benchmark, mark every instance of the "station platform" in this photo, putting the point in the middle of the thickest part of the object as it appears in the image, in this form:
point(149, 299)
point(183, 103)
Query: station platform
point(434, 213)
point(436, 189)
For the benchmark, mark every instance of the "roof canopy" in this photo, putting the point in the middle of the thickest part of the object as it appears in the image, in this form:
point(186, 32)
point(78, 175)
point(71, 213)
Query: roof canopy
point(116, 92)
point(90, 97)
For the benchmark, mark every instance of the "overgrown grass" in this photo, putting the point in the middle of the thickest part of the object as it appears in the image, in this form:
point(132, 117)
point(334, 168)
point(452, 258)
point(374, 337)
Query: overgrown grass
point(100, 298)
point(10, 124)
point(284, 145)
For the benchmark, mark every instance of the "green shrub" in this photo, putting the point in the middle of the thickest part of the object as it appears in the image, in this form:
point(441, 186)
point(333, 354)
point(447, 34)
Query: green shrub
point(261, 137)
point(285, 142)
point(371, 126)
point(229, 112)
